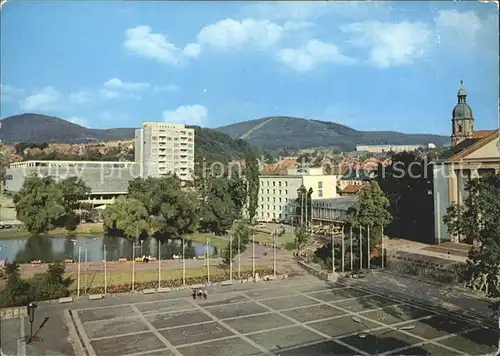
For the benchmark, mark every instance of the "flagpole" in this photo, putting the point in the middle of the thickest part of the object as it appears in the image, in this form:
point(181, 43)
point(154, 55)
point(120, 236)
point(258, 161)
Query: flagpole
point(239, 256)
point(183, 263)
point(343, 249)
point(274, 253)
point(360, 247)
point(159, 264)
point(333, 251)
point(382, 247)
point(105, 272)
point(208, 264)
point(352, 259)
point(253, 256)
point(368, 246)
point(231, 256)
point(133, 265)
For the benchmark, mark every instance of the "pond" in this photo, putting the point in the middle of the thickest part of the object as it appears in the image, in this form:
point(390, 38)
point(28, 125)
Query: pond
point(51, 249)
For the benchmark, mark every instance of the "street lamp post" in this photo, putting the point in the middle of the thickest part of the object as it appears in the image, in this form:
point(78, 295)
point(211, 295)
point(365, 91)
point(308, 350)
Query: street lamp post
point(105, 271)
point(133, 265)
point(377, 336)
point(231, 257)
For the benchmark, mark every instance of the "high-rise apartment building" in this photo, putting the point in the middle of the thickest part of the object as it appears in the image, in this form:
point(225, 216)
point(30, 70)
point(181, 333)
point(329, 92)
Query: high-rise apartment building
point(163, 148)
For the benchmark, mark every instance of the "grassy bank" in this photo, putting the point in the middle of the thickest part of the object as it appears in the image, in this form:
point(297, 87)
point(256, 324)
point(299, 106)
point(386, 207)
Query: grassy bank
point(283, 240)
point(84, 229)
point(216, 241)
point(116, 278)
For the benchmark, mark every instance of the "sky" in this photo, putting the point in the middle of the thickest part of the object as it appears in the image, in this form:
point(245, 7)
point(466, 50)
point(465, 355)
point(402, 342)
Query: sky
point(367, 65)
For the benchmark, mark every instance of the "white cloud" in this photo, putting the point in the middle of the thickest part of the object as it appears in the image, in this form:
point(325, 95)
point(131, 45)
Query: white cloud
point(391, 44)
point(81, 97)
point(166, 88)
point(45, 99)
point(7, 92)
point(117, 84)
point(233, 34)
point(463, 25)
point(78, 120)
point(192, 50)
point(109, 94)
point(142, 42)
point(312, 54)
point(189, 114)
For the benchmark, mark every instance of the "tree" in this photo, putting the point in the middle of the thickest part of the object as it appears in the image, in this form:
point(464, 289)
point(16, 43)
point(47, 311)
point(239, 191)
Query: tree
point(39, 204)
point(171, 210)
point(240, 235)
point(477, 220)
point(304, 204)
point(301, 238)
point(222, 203)
point(371, 209)
point(407, 183)
point(127, 216)
point(73, 191)
point(252, 177)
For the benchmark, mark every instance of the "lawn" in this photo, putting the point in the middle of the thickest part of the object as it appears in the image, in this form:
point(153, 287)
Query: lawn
point(216, 241)
point(283, 240)
point(96, 279)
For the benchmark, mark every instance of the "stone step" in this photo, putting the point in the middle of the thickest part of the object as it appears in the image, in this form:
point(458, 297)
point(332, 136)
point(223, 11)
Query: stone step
point(96, 296)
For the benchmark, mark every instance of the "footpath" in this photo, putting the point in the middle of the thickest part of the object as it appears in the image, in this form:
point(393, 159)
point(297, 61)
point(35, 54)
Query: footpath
point(457, 301)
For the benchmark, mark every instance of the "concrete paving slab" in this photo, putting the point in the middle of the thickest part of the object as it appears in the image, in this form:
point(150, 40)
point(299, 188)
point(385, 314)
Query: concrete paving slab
point(324, 348)
point(288, 302)
point(113, 327)
point(338, 294)
point(395, 314)
point(123, 345)
point(258, 323)
point(341, 326)
point(313, 313)
point(105, 313)
point(311, 287)
point(10, 335)
point(387, 342)
point(164, 352)
point(164, 306)
point(285, 338)
point(279, 291)
point(439, 326)
point(167, 320)
point(479, 342)
point(220, 299)
point(229, 347)
point(426, 349)
point(236, 310)
point(197, 333)
point(360, 304)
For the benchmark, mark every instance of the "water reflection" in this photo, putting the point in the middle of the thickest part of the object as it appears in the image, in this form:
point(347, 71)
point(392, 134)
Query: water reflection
point(50, 249)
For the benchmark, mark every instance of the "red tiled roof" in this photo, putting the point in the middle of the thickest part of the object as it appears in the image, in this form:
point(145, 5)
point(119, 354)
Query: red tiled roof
point(351, 188)
point(483, 133)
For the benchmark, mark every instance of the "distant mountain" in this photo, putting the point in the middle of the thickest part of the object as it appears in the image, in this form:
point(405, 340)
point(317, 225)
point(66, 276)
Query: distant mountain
point(37, 128)
point(284, 134)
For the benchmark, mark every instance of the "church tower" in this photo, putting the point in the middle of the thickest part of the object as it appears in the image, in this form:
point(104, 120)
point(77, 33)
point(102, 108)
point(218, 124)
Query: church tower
point(462, 119)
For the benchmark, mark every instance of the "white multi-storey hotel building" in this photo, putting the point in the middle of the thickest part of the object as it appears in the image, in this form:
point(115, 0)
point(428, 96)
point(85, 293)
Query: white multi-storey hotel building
point(165, 148)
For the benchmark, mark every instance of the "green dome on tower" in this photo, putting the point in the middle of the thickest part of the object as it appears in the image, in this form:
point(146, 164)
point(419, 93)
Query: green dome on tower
point(462, 110)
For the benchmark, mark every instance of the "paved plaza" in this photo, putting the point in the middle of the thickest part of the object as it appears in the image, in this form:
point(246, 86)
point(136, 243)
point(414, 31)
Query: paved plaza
point(301, 316)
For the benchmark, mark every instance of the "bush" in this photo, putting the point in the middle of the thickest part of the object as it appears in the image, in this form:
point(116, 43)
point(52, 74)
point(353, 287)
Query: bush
point(43, 286)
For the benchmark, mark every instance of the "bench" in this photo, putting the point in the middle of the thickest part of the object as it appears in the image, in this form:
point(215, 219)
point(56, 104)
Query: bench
point(96, 296)
point(149, 291)
point(65, 300)
point(164, 290)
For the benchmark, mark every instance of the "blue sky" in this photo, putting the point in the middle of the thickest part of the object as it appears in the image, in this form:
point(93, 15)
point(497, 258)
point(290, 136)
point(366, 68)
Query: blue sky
point(371, 66)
